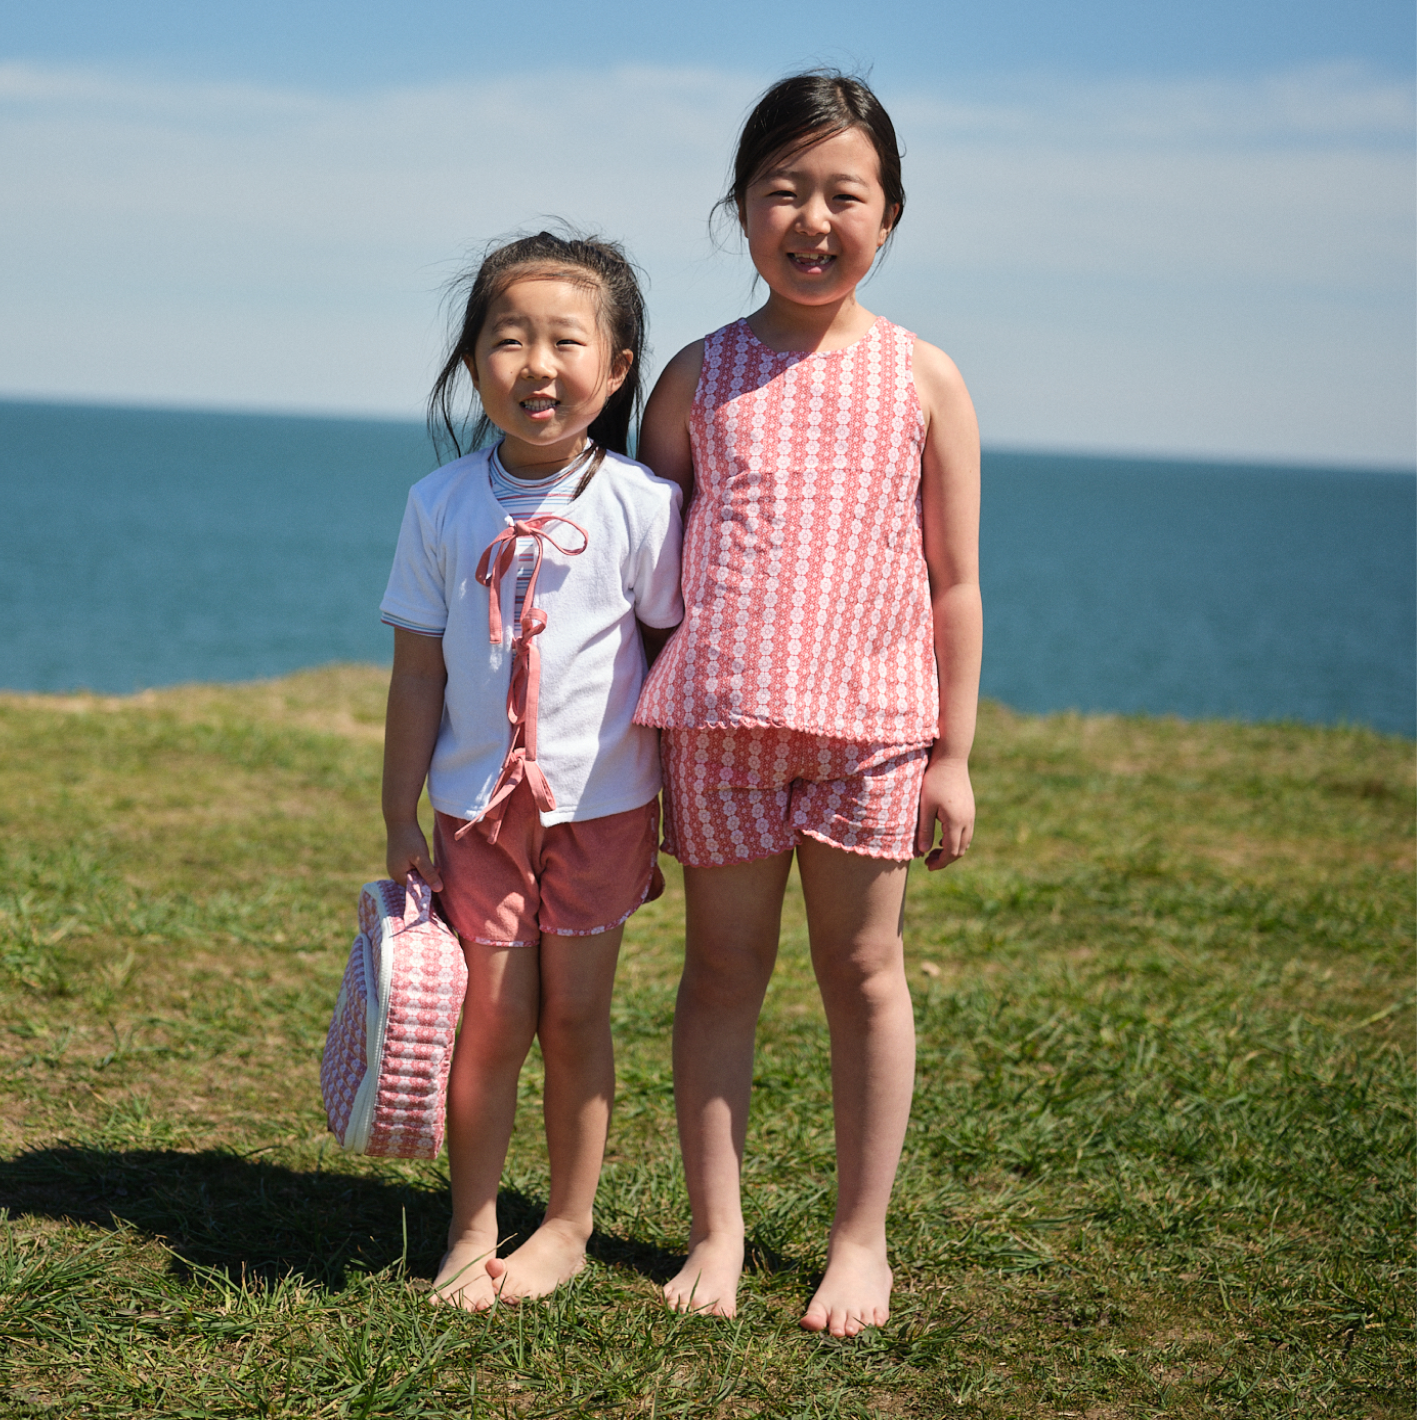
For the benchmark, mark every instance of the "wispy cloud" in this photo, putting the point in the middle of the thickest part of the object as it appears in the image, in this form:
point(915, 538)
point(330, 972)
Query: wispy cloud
point(1333, 103)
point(1220, 266)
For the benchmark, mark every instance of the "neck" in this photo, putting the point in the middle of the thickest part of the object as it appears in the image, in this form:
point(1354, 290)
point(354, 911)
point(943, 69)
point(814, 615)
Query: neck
point(528, 461)
point(786, 325)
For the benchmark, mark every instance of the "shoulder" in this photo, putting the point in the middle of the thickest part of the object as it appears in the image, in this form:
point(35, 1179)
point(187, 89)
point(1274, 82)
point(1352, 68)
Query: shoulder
point(940, 386)
point(638, 490)
point(451, 481)
point(680, 377)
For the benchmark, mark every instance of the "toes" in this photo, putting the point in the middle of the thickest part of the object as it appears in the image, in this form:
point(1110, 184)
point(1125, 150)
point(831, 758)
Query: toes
point(690, 1305)
point(461, 1299)
point(840, 1323)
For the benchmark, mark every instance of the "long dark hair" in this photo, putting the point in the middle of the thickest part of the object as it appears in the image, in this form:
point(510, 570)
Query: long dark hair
point(601, 266)
point(804, 109)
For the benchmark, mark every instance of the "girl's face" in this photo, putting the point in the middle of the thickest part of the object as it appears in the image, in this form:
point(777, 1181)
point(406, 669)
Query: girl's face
point(816, 219)
point(542, 368)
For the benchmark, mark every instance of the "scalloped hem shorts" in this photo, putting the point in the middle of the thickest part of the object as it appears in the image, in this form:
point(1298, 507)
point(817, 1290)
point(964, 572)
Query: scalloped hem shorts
point(571, 880)
point(734, 795)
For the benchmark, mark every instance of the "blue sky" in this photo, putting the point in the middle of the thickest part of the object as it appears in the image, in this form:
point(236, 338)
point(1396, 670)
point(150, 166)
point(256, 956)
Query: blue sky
point(349, 44)
point(1174, 229)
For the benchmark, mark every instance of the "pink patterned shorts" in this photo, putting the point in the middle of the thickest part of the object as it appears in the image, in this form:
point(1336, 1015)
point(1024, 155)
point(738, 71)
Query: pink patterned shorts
point(740, 794)
point(571, 880)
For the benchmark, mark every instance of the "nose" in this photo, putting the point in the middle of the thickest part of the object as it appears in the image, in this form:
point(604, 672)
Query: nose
point(813, 215)
point(538, 363)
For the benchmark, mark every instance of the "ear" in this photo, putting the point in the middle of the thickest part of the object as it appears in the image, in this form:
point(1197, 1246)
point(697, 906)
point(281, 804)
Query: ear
point(889, 222)
point(621, 364)
point(472, 369)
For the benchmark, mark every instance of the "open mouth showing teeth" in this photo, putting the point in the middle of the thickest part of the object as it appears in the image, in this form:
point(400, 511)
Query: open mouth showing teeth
point(538, 405)
point(810, 258)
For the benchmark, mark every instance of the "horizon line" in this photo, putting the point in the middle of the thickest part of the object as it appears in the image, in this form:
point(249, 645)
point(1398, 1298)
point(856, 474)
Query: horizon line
point(1027, 448)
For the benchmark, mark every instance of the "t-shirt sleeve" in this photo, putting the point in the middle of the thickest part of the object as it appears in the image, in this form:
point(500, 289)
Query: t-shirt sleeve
point(655, 562)
point(414, 598)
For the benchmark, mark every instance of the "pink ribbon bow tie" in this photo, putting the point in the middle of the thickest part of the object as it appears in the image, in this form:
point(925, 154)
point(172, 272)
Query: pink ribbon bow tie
point(521, 760)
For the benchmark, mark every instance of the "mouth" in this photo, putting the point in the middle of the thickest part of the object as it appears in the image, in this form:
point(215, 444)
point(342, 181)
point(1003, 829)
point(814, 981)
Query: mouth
point(538, 406)
point(811, 262)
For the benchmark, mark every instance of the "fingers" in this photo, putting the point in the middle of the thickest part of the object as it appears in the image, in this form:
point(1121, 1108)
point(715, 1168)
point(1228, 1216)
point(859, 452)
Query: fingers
point(947, 799)
point(430, 873)
point(412, 856)
point(956, 839)
point(424, 866)
point(926, 825)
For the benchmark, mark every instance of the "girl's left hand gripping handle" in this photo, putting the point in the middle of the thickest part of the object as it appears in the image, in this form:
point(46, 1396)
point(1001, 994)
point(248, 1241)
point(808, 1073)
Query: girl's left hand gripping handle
point(407, 856)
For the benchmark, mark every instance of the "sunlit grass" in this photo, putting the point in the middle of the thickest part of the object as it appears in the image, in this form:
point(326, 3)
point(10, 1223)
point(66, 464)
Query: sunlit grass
point(1161, 1157)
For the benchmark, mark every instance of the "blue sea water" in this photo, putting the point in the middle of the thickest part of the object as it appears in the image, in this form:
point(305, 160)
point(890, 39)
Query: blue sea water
point(150, 547)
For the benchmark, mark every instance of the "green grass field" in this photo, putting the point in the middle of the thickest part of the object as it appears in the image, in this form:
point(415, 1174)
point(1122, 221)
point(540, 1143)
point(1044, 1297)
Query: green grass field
point(1161, 1160)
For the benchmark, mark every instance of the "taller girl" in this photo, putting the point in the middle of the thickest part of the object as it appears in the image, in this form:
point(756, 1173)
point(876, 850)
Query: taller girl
point(820, 696)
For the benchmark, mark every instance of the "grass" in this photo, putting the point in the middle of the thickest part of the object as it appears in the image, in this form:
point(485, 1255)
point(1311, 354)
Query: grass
point(1161, 1156)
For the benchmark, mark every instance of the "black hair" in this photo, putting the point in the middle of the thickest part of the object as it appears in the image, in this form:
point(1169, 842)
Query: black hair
point(601, 266)
point(804, 109)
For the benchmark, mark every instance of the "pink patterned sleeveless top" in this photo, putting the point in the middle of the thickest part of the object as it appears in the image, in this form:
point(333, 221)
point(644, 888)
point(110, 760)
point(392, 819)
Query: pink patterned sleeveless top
point(805, 583)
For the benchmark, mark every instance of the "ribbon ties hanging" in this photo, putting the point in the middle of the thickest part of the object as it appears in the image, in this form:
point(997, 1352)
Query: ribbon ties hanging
point(521, 760)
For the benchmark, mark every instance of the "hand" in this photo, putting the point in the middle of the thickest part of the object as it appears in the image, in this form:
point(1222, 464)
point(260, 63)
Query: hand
point(406, 851)
point(946, 798)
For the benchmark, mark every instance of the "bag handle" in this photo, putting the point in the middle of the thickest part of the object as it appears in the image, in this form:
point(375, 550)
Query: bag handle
point(418, 900)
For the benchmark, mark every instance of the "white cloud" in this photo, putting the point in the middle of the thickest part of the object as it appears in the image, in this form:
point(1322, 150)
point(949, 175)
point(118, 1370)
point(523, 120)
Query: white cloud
point(1210, 267)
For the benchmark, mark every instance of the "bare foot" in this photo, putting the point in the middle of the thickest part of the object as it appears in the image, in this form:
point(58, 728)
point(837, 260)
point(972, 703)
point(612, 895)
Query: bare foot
point(854, 1292)
point(553, 1255)
point(710, 1279)
point(466, 1276)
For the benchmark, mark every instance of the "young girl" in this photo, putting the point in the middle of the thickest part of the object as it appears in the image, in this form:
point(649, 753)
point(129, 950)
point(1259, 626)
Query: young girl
point(820, 698)
point(522, 573)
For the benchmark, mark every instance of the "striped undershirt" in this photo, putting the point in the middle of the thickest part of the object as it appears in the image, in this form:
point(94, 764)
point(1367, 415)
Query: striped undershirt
point(527, 498)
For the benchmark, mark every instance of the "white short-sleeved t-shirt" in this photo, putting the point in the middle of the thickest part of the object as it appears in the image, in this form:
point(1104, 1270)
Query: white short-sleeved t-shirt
point(596, 761)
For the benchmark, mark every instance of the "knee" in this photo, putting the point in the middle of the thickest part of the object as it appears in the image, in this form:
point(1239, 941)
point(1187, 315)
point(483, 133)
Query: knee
point(870, 976)
point(724, 981)
point(573, 1022)
point(497, 1032)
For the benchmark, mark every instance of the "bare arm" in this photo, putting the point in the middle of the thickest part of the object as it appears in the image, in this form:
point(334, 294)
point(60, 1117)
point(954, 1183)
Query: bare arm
point(664, 445)
point(412, 716)
point(951, 510)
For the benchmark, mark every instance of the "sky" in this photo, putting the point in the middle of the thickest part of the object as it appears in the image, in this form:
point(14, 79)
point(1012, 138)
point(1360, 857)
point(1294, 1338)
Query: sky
point(1174, 230)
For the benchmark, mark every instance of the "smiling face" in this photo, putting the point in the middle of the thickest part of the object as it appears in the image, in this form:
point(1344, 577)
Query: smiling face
point(543, 370)
point(816, 219)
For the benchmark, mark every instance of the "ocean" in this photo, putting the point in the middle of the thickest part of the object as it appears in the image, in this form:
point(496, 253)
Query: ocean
point(147, 547)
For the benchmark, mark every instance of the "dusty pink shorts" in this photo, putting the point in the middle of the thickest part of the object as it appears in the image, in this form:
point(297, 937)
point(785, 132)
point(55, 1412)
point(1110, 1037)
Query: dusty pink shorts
point(571, 880)
point(740, 794)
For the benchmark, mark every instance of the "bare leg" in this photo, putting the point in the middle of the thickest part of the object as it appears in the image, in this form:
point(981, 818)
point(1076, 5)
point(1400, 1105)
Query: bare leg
point(855, 907)
point(574, 1028)
point(499, 1017)
point(731, 940)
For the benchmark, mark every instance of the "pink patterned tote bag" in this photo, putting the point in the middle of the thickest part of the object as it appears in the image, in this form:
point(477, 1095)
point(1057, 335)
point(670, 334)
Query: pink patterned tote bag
point(386, 1065)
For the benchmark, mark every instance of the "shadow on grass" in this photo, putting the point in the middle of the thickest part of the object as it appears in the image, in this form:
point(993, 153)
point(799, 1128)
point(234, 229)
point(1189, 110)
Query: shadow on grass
point(246, 1216)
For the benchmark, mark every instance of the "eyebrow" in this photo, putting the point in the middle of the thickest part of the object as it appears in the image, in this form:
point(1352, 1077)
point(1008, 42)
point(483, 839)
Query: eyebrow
point(775, 174)
point(566, 322)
